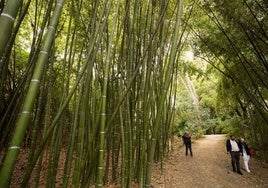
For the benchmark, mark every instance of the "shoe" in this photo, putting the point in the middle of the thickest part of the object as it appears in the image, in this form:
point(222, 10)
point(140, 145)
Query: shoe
point(239, 173)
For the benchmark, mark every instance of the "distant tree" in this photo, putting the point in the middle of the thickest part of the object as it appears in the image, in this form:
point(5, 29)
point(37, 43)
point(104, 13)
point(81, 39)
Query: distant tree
point(232, 38)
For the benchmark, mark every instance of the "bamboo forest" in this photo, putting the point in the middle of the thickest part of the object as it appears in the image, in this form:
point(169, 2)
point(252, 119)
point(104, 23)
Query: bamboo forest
point(96, 90)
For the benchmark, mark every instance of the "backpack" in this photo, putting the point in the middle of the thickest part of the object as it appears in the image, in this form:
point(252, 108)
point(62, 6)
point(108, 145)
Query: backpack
point(251, 151)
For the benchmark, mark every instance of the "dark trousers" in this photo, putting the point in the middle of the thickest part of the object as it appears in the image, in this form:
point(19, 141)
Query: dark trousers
point(188, 146)
point(235, 156)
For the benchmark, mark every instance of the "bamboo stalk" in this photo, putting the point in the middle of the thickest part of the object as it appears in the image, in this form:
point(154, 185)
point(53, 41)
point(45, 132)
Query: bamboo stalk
point(21, 125)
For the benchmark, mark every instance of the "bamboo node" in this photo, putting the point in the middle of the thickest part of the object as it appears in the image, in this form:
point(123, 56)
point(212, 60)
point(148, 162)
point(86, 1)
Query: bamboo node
point(51, 27)
point(8, 15)
point(35, 80)
point(59, 4)
point(14, 147)
point(25, 112)
point(43, 52)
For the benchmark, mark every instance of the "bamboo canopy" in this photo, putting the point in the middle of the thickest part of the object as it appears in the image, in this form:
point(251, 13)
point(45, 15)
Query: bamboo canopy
point(94, 91)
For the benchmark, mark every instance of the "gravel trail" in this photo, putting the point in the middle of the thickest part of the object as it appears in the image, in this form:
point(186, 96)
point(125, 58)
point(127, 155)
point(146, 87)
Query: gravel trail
point(208, 168)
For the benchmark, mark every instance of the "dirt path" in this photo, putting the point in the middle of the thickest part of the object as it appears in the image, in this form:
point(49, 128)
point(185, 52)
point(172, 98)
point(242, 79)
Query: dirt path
point(207, 168)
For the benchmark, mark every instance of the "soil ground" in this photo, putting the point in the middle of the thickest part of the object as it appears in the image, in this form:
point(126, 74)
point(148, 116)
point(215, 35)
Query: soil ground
point(208, 168)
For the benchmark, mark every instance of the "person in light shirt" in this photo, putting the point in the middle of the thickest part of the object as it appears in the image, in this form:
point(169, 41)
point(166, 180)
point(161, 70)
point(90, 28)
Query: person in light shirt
point(246, 153)
point(235, 150)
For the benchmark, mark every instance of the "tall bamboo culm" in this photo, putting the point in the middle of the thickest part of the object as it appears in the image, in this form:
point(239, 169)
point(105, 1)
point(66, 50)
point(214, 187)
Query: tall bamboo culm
point(7, 20)
point(21, 125)
point(113, 61)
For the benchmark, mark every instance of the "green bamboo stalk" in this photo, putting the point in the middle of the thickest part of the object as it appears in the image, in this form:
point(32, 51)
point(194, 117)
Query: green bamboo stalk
point(4, 58)
point(65, 103)
point(123, 152)
point(116, 133)
point(46, 123)
point(143, 126)
point(7, 19)
point(81, 130)
point(80, 140)
point(103, 101)
point(37, 121)
point(164, 90)
point(21, 125)
point(129, 146)
point(88, 62)
point(6, 123)
point(58, 132)
point(146, 96)
point(113, 136)
point(86, 156)
point(129, 108)
point(166, 123)
point(91, 128)
point(4, 127)
point(56, 140)
point(54, 154)
point(108, 156)
point(73, 131)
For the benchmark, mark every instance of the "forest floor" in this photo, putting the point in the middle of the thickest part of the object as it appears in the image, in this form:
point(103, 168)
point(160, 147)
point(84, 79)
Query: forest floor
point(210, 167)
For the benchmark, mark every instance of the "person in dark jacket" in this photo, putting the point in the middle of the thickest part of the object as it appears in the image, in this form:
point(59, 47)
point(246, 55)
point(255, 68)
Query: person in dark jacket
point(188, 143)
point(245, 152)
point(235, 150)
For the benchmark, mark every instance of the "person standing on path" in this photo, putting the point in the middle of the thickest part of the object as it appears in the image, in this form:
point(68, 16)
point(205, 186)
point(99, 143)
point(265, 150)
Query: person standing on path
point(188, 143)
point(235, 150)
point(246, 153)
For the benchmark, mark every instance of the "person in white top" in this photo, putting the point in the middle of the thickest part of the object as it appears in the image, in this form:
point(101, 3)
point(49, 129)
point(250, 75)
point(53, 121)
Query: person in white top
point(246, 153)
point(235, 150)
